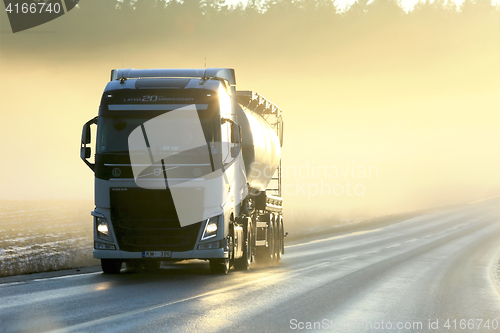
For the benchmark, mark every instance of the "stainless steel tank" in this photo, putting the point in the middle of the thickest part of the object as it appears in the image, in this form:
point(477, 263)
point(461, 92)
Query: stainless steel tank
point(260, 147)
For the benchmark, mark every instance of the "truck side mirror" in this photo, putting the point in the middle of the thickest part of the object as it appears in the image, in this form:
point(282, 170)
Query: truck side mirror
point(235, 138)
point(235, 133)
point(86, 137)
point(235, 151)
point(85, 152)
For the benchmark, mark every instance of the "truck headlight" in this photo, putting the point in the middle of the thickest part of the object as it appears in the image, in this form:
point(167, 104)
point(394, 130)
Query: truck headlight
point(102, 228)
point(210, 228)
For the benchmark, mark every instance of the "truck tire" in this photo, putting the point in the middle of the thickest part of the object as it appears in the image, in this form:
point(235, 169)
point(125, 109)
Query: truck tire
point(219, 266)
point(111, 266)
point(278, 240)
point(282, 236)
point(265, 255)
point(243, 263)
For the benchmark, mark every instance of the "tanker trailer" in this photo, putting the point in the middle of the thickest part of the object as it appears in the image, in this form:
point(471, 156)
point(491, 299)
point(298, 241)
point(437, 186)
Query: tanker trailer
point(185, 167)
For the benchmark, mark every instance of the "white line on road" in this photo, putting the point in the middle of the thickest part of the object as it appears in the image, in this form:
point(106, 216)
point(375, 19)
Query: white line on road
point(47, 278)
point(336, 237)
point(65, 276)
point(481, 200)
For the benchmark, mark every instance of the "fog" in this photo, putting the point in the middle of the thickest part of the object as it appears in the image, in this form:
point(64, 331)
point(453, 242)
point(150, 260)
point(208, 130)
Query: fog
point(385, 112)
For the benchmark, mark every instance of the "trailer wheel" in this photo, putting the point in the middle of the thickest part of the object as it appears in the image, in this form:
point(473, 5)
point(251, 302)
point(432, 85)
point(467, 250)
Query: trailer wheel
point(272, 243)
point(279, 240)
point(219, 266)
point(243, 263)
point(111, 266)
point(282, 237)
point(266, 255)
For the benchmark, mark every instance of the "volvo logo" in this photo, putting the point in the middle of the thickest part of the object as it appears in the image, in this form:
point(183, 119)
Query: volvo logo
point(116, 172)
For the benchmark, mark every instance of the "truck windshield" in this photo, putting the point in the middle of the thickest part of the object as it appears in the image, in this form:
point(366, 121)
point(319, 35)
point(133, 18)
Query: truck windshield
point(121, 111)
point(113, 131)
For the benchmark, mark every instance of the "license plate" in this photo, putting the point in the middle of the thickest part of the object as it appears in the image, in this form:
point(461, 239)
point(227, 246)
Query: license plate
point(157, 254)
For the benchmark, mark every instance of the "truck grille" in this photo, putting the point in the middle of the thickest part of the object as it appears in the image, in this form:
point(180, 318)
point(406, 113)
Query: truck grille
point(146, 220)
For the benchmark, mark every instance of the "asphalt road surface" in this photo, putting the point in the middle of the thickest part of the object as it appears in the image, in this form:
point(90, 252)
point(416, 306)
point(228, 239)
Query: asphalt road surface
point(436, 272)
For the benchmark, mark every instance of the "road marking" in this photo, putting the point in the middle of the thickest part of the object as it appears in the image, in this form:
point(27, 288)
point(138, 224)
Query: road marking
point(47, 278)
point(481, 200)
point(336, 237)
point(273, 277)
point(65, 276)
point(411, 240)
point(345, 258)
point(12, 283)
point(370, 252)
point(395, 245)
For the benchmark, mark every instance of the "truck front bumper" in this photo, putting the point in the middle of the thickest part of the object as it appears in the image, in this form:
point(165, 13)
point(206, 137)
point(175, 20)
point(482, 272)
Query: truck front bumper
point(193, 254)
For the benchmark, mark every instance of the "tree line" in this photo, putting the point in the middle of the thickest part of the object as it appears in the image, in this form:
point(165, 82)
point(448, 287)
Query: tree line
point(295, 27)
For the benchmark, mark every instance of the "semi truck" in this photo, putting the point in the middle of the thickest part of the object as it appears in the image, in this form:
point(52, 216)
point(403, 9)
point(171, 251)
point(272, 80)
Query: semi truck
point(185, 167)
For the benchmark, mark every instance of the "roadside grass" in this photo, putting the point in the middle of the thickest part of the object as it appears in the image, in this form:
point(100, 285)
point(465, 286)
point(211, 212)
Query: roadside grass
point(42, 236)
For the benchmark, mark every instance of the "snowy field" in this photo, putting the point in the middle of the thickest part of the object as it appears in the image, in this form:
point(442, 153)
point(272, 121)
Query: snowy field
point(40, 236)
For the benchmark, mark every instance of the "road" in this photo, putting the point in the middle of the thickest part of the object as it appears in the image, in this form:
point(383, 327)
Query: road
point(428, 273)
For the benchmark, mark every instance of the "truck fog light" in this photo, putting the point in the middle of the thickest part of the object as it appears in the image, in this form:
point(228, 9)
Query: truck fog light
point(211, 245)
point(104, 246)
point(210, 228)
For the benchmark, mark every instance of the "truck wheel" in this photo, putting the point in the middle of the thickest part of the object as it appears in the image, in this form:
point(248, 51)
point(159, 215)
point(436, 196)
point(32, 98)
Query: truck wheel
point(111, 266)
point(282, 237)
point(278, 242)
point(265, 255)
point(243, 263)
point(219, 266)
point(272, 242)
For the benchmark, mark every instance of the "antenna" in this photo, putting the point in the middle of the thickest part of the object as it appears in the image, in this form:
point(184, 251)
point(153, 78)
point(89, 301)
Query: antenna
point(122, 79)
point(204, 78)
